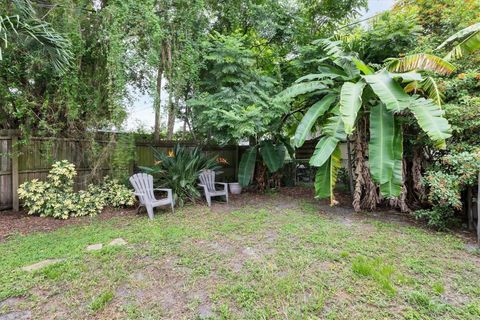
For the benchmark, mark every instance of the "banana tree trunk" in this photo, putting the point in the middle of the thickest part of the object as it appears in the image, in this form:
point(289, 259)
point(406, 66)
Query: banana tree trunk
point(365, 195)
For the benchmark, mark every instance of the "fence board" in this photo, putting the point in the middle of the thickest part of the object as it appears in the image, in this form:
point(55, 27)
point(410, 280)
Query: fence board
point(37, 156)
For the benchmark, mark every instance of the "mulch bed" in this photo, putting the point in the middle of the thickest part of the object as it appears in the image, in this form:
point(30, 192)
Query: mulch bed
point(12, 223)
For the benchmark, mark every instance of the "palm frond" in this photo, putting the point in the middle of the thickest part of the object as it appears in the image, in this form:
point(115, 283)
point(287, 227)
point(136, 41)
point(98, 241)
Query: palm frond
point(420, 62)
point(25, 24)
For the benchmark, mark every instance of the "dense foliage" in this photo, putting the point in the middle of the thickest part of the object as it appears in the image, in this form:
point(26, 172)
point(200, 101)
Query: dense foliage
point(69, 68)
point(55, 196)
point(345, 96)
point(178, 169)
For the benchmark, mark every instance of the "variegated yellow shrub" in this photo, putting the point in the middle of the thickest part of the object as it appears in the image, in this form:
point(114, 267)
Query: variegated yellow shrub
point(56, 198)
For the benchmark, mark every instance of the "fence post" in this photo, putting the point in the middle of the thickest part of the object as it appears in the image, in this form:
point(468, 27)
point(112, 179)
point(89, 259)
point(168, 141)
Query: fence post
point(14, 154)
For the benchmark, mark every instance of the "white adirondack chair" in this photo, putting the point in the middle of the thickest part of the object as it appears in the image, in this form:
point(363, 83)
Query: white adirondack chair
point(143, 185)
point(207, 179)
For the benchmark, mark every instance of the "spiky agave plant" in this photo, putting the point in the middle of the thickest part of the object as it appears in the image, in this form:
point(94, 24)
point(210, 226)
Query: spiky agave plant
point(179, 169)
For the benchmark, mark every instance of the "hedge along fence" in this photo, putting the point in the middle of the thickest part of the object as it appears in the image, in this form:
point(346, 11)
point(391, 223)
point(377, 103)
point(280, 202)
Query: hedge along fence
point(20, 162)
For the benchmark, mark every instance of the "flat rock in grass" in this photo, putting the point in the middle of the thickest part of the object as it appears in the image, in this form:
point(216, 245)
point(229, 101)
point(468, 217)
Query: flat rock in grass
point(17, 315)
point(95, 247)
point(117, 242)
point(41, 264)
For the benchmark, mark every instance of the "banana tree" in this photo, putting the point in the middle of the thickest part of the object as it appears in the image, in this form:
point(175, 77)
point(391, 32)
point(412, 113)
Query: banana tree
point(345, 93)
point(271, 154)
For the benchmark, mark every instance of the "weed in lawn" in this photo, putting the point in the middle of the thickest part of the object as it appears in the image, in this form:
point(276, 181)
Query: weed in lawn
point(377, 270)
point(438, 287)
point(101, 300)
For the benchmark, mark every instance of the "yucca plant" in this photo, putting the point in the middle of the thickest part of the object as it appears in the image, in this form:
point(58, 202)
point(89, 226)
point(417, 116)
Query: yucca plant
point(178, 169)
point(348, 96)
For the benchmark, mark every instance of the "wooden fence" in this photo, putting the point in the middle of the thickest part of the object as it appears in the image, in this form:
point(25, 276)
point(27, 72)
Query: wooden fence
point(33, 160)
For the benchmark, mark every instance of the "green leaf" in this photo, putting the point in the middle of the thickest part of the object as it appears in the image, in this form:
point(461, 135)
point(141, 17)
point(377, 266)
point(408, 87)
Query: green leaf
point(281, 151)
point(316, 76)
point(468, 40)
point(430, 87)
point(389, 91)
point(298, 89)
point(362, 66)
point(350, 103)
point(247, 166)
point(308, 120)
point(333, 132)
point(332, 72)
point(430, 118)
point(324, 148)
point(272, 155)
point(380, 147)
point(334, 126)
point(326, 176)
point(393, 188)
point(288, 146)
point(407, 76)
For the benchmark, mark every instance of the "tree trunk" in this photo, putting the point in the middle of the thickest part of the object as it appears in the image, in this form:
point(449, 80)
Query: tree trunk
point(365, 194)
point(171, 117)
point(157, 104)
point(418, 187)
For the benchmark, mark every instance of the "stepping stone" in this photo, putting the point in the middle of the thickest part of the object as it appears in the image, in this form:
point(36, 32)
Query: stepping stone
point(17, 315)
point(117, 242)
point(41, 264)
point(95, 247)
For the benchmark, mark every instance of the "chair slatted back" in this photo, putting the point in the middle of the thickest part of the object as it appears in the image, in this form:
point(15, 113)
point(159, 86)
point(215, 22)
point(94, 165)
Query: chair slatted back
point(207, 178)
point(143, 183)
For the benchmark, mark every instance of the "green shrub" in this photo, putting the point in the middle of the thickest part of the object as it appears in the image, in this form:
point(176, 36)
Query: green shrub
point(446, 180)
point(55, 196)
point(439, 217)
point(179, 169)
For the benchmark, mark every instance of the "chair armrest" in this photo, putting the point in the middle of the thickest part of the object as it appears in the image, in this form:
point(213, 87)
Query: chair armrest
point(168, 191)
point(138, 194)
point(225, 185)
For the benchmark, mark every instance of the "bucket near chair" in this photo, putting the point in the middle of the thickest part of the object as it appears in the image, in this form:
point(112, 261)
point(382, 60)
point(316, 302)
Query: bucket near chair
point(235, 188)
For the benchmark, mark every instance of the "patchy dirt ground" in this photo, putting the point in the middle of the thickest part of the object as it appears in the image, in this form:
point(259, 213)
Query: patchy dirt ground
point(20, 223)
point(272, 256)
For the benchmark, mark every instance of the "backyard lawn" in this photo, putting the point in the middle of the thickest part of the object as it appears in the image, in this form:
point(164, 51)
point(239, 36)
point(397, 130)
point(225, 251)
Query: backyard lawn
point(260, 257)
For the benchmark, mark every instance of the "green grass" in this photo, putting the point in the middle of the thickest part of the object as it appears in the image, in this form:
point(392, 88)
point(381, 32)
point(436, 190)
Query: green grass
point(101, 301)
point(254, 262)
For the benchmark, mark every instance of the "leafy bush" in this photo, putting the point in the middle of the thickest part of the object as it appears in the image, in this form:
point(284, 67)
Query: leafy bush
point(439, 217)
point(446, 180)
point(179, 169)
point(55, 196)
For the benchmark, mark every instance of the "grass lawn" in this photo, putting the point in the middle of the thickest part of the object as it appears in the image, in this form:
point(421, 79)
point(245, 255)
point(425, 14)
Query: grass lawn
point(270, 257)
